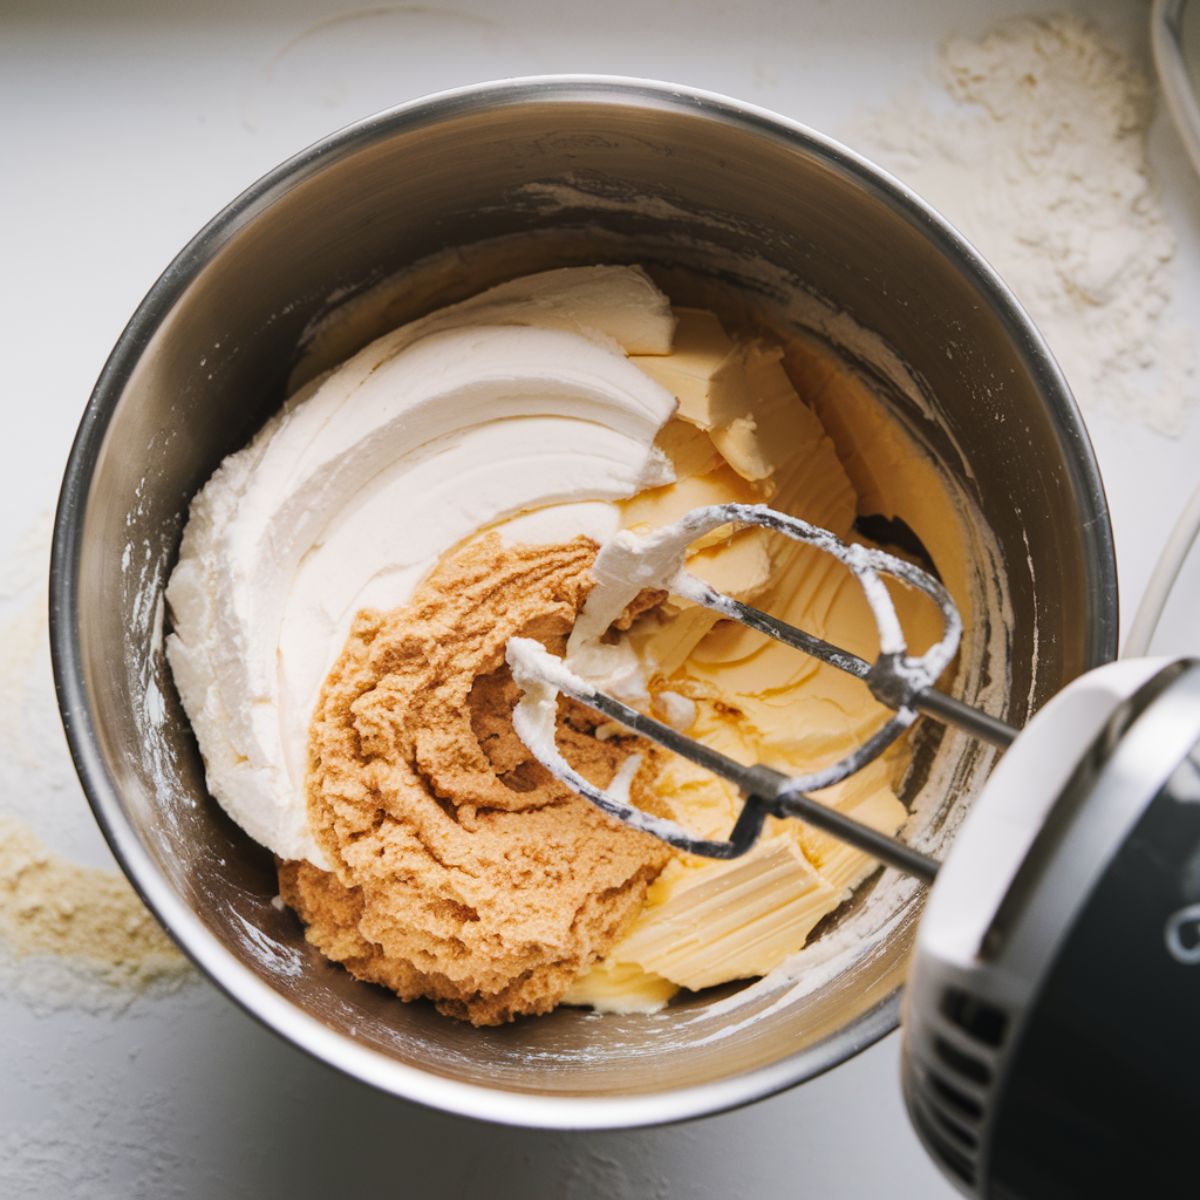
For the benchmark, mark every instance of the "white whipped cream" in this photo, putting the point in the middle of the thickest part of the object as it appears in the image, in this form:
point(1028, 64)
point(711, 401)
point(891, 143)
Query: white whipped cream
point(515, 401)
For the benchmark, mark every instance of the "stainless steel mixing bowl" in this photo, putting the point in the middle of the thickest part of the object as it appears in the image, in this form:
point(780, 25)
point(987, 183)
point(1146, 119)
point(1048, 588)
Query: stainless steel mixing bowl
point(702, 190)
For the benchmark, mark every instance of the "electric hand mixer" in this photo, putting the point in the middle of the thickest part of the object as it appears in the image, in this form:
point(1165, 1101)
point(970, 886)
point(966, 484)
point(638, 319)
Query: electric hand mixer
point(1052, 1016)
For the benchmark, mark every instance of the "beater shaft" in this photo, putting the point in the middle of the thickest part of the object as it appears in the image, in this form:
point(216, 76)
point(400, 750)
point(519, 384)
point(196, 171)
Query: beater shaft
point(767, 793)
point(929, 701)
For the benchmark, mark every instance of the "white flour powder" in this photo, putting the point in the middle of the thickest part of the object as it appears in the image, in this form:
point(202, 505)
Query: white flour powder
point(1037, 153)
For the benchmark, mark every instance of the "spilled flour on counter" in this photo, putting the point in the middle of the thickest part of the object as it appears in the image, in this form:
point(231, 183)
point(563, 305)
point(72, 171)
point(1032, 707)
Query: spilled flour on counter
point(1040, 160)
point(50, 907)
point(71, 935)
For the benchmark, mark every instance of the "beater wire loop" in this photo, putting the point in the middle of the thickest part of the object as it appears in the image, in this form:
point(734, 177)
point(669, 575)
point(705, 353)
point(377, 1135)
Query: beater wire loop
point(897, 679)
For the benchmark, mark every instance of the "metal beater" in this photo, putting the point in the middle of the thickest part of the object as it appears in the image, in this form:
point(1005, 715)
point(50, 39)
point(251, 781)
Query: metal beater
point(898, 680)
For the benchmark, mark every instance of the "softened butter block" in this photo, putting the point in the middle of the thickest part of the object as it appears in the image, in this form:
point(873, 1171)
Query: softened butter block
point(620, 988)
point(701, 345)
point(731, 920)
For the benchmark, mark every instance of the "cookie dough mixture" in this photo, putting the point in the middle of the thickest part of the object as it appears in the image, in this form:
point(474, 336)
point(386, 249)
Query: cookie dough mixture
point(470, 875)
point(348, 583)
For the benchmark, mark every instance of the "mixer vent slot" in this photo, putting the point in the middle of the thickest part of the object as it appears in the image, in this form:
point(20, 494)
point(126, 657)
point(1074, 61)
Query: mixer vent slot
point(959, 1163)
point(958, 1074)
point(955, 1100)
point(982, 1021)
point(967, 1065)
point(957, 1154)
point(951, 1122)
point(964, 1138)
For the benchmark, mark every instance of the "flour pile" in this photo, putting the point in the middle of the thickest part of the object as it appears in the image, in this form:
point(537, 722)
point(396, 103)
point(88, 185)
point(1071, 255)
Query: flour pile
point(71, 935)
point(1041, 162)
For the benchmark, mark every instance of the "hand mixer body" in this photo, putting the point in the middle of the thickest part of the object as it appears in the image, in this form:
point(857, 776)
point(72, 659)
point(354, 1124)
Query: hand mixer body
point(1052, 1016)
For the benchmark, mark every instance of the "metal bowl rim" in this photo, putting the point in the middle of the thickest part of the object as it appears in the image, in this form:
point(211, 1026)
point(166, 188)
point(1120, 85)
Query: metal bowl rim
point(253, 995)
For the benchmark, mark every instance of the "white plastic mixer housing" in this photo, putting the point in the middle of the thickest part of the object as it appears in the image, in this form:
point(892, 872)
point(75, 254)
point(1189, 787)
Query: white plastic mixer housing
point(1052, 1015)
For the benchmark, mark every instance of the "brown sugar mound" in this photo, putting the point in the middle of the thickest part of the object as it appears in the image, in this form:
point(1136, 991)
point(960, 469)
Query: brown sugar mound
point(462, 870)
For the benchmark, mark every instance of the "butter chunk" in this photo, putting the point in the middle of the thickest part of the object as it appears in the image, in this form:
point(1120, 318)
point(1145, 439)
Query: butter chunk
point(763, 420)
point(664, 644)
point(689, 448)
point(665, 505)
point(733, 920)
point(740, 566)
point(701, 345)
point(620, 988)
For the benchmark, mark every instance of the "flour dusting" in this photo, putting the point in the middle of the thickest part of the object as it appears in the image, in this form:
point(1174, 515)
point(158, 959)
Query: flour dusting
point(72, 934)
point(1036, 151)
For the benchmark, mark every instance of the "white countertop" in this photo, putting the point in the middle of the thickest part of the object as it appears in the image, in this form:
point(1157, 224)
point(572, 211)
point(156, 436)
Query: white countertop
point(126, 126)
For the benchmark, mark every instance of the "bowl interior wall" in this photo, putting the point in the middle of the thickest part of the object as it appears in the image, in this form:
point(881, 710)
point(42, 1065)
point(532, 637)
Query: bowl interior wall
point(659, 184)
